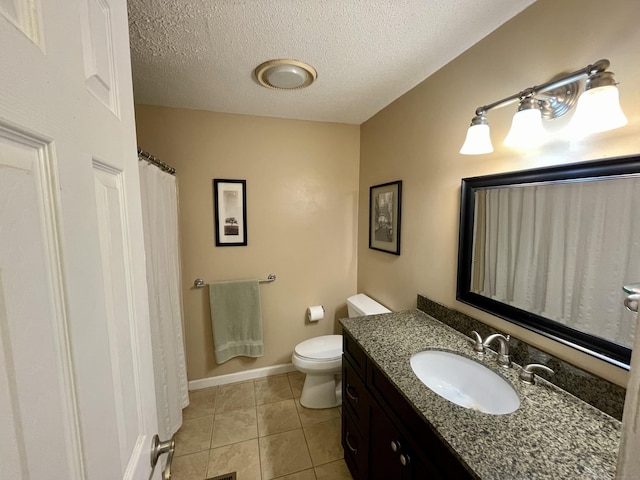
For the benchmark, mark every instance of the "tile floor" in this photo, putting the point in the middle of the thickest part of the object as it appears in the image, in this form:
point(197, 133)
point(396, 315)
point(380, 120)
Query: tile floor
point(259, 430)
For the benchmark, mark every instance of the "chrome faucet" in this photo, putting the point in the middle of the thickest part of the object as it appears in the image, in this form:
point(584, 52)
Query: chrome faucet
point(526, 375)
point(503, 354)
point(478, 347)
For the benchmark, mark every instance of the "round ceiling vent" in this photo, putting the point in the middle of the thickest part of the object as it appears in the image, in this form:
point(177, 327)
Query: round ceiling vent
point(285, 74)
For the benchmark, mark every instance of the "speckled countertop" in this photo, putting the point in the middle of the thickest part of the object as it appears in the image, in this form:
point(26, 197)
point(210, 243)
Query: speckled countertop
point(553, 435)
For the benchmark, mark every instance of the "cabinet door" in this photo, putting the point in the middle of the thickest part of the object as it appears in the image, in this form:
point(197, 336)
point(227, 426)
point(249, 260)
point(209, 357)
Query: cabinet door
point(386, 448)
point(391, 455)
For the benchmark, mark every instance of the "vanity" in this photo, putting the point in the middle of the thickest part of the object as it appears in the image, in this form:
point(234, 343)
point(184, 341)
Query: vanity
point(395, 427)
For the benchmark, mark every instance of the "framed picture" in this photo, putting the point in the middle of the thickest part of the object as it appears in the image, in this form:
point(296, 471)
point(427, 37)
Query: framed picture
point(385, 203)
point(230, 207)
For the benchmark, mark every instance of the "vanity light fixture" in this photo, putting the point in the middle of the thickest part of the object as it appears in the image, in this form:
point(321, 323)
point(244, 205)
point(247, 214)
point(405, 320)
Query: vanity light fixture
point(598, 109)
point(284, 74)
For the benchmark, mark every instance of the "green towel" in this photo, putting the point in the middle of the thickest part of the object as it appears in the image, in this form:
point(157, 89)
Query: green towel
point(236, 319)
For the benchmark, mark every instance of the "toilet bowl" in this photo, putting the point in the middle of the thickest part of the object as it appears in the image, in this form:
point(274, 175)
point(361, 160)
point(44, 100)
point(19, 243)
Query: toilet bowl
point(320, 358)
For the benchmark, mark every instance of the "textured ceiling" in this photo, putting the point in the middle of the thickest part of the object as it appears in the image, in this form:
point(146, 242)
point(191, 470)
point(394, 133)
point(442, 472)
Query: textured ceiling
point(200, 54)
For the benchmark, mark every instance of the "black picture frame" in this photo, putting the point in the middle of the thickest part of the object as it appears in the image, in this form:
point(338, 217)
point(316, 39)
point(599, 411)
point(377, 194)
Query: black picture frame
point(595, 346)
point(230, 209)
point(385, 215)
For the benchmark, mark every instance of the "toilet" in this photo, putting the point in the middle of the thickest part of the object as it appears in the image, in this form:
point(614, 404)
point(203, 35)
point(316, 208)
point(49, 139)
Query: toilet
point(320, 358)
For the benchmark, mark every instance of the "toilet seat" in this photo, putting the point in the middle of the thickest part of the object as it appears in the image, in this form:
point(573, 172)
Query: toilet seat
point(322, 349)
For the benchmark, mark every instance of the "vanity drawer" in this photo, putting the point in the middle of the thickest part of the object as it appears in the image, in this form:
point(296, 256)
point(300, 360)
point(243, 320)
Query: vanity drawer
point(354, 354)
point(355, 397)
point(356, 448)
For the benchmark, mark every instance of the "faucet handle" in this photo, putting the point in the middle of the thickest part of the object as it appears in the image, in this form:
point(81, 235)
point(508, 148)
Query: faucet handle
point(478, 345)
point(526, 375)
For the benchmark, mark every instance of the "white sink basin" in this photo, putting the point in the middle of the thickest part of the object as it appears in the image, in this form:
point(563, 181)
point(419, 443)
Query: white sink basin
point(465, 382)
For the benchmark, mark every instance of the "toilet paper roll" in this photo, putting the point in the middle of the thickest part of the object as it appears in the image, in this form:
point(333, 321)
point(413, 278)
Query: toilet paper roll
point(315, 313)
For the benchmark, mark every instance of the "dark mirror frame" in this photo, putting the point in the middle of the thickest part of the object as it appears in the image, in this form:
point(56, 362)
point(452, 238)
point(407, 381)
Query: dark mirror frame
point(599, 347)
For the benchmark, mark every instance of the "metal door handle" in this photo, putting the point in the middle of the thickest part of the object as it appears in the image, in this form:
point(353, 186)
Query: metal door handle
point(159, 448)
point(632, 301)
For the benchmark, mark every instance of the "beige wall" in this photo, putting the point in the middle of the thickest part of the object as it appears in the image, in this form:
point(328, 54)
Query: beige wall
point(417, 138)
point(302, 194)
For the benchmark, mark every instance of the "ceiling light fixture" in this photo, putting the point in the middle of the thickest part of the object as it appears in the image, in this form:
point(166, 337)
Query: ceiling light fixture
point(285, 74)
point(598, 109)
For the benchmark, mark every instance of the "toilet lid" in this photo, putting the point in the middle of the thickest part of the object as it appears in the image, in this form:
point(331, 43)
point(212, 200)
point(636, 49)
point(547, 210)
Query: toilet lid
point(321, 348)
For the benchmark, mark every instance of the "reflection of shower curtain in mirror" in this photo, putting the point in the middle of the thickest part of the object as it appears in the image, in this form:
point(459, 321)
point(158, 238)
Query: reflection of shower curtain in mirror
point(160, 218)
point(562, 251)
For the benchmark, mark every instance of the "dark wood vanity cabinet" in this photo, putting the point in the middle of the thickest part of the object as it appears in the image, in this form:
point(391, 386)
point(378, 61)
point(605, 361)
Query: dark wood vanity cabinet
point(383, 437)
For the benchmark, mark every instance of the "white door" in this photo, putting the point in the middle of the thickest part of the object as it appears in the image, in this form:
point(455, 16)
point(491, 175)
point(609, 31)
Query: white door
point(76, 383)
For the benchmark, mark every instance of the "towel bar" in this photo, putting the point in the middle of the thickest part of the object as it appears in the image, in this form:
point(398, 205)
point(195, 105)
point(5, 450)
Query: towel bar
point(199, 283)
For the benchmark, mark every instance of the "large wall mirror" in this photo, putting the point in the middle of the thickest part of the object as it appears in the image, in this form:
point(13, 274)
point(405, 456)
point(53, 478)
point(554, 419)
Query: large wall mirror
point(550, 250)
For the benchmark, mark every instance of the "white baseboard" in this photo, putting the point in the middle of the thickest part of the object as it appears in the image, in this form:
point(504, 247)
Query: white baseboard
point(241, 376)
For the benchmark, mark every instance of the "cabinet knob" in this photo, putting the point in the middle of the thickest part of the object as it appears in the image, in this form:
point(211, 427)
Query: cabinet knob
point(395, 445)
point(404, 459)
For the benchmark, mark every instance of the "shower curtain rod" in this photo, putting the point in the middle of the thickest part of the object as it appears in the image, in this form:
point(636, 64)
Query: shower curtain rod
point(142, 155)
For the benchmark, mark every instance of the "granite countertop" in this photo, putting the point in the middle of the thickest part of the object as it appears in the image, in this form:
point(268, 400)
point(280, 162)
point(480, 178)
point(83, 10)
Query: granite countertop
point(553, 435)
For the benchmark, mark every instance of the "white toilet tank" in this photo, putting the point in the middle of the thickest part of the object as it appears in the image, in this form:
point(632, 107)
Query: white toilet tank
point(360, 305)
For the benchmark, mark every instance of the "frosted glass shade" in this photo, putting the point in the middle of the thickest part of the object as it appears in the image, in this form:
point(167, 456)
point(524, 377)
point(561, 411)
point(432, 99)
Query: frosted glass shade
point(598, 110)
point(478, 141)
point(286, 76)
point(526, 129)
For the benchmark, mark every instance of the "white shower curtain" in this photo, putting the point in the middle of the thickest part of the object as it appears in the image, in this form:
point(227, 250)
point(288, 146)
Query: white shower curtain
point(160, 218)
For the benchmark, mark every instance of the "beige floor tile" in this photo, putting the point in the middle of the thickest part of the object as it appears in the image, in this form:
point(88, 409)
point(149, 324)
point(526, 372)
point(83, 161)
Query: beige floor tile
point(272, 389)
point(229, 414)
point(234, 426)
point(277, 417)
point(194, 435)
point(283, 453)
point(235, 397)
point(333, 471)
point(190, 467)
point(311, 416)
point(243, 458)
point(201, 403)
point(306, 475)
point(296, 380)
point(324, 441)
